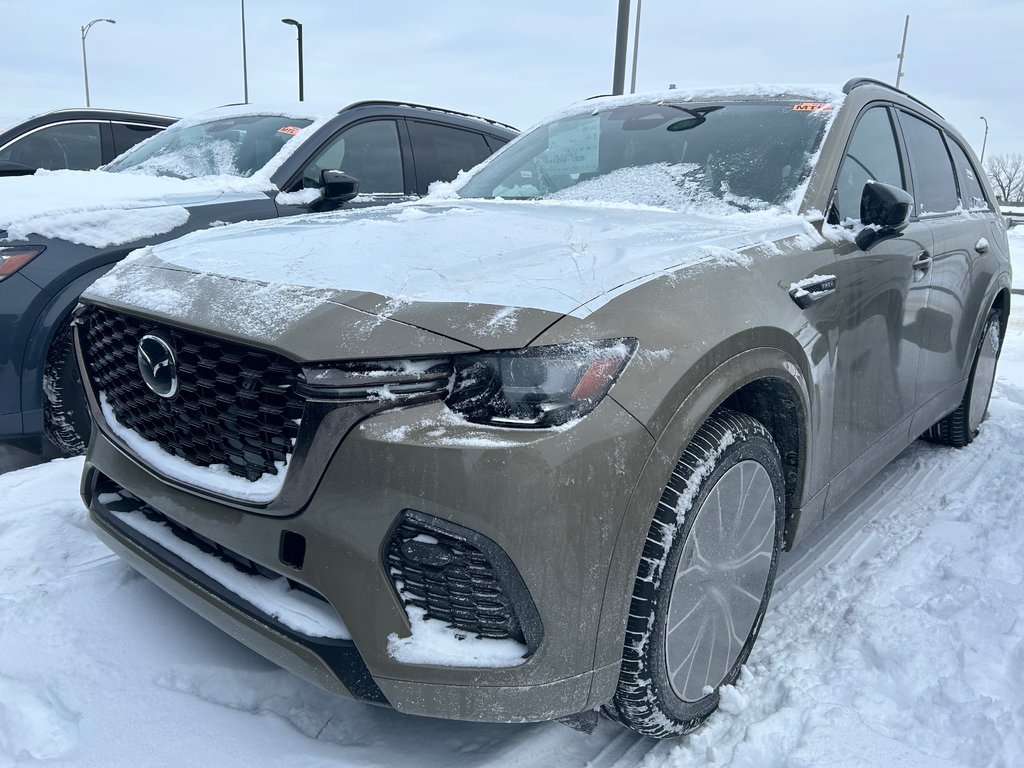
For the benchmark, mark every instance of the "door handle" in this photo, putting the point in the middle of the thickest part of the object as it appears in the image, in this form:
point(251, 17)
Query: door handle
point(812, 290)
point(924, 262)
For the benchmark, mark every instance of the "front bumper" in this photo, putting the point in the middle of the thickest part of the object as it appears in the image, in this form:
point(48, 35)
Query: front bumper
point(552, 500)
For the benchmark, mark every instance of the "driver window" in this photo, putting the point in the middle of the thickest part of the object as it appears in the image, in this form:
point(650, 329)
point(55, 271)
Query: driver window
point(370, 152)
point(872, 154)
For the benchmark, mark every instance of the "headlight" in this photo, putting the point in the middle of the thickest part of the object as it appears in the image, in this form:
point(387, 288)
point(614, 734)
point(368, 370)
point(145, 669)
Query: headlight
point(14, 257)
point(538, 387)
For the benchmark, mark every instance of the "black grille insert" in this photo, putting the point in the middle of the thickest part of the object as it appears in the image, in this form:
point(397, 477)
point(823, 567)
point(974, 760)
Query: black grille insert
point(235, 406)
point(461, 578)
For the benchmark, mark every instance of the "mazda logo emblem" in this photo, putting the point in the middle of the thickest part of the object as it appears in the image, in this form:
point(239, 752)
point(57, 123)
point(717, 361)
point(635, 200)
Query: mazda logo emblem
point(158, 365)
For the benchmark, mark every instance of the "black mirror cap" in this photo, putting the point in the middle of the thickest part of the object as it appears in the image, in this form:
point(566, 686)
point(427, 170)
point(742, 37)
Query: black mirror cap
point(886, 206)
point(337, 186)
point(884, 211)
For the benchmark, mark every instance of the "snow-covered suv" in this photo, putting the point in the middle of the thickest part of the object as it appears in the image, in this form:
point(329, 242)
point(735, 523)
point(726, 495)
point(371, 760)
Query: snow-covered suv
point(533, 447)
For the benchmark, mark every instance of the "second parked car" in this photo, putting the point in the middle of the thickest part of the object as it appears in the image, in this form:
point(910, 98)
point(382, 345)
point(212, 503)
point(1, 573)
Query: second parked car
point(61, 231)
point(79, 139)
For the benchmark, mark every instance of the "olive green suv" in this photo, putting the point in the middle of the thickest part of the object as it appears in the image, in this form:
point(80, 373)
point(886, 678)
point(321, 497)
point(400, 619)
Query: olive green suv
point(532, 447)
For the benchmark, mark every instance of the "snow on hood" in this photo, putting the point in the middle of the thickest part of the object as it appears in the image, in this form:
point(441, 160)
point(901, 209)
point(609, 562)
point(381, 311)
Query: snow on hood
point(565, 258)
point(102, 209)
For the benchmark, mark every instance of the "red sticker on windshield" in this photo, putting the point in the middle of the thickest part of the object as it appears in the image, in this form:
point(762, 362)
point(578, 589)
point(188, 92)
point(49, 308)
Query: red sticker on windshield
point(810, 106)
point(291, 130)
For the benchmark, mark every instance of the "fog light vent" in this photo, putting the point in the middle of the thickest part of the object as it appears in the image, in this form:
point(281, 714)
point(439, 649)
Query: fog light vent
point(461, 578)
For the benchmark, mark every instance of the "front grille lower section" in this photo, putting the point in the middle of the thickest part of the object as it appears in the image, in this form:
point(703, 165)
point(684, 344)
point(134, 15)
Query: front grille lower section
point(235, 406)
point(461, 578)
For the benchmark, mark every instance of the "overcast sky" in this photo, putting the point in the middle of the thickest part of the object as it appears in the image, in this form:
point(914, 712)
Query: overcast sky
point(513, 62)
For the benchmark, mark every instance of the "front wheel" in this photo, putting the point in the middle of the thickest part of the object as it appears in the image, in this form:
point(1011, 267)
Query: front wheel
point(66, 419)
point(963, 425)
point(705, 576)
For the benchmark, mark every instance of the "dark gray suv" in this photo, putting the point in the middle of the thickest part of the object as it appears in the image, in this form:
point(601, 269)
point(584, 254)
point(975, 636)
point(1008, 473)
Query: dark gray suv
point(536, 448)
point(61, 231)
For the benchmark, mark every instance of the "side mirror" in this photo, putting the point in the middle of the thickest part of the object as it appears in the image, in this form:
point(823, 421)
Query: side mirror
point(337, 187)
point(10, 168)
point(884, 212)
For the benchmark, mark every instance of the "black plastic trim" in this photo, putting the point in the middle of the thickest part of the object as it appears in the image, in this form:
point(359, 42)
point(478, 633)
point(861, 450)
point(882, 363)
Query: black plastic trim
point(341, 656)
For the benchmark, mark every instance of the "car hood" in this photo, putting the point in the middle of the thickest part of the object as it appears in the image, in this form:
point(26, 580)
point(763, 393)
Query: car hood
point(103, 209)
point(490, 274)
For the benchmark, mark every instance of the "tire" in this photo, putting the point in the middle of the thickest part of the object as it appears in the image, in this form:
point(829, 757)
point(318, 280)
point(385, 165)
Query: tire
point(66, 419)
point(677, 603)
point(961, 426)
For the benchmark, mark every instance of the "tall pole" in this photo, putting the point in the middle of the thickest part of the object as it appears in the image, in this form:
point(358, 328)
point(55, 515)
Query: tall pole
point(85, 61)
point(245, 64)
point(903, 50)
point(636, 46)
point(621, 43)
point(298, 29)
point(984, 141)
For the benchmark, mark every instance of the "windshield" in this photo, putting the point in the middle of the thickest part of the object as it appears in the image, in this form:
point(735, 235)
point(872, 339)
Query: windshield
point(236, 146)
point(723, 156)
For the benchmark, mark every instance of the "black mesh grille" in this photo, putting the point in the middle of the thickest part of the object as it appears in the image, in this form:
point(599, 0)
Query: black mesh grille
point(452, 581)
point(235, 406)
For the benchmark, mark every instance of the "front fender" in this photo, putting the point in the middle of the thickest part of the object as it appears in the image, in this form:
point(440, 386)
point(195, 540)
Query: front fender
point(714, 389)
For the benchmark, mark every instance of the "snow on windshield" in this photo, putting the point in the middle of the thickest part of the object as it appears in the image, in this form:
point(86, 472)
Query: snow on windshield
point(234, 146)
point(749, 154)
point(683, 187)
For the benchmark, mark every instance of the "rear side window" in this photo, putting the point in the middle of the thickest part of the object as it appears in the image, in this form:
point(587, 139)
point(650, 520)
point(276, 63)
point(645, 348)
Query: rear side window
point(871, 155)
point(935, 187)
point(128, 135)
point(72, 145)
point(441, 152)
point(971, 193)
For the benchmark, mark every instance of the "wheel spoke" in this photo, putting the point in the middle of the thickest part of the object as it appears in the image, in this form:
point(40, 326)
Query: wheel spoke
point(720, 580)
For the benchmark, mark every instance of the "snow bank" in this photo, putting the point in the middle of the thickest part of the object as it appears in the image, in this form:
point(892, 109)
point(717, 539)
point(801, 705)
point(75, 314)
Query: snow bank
point(1016, 238)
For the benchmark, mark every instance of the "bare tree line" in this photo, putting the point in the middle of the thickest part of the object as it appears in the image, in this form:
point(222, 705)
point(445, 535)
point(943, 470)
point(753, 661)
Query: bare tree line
point(1006, 172)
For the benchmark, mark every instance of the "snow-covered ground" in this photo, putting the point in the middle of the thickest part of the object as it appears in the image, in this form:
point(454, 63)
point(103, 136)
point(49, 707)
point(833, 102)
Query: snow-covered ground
point(896, 637)
point(1016, 236)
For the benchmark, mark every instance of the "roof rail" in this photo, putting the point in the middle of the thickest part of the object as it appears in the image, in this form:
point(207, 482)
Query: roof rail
point(442, 110)
point(855, 82)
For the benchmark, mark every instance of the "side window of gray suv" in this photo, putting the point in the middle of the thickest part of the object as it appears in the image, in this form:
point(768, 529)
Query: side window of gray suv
point(871, 155)
point(935, 189)
point(368, 151)
point(971, 193)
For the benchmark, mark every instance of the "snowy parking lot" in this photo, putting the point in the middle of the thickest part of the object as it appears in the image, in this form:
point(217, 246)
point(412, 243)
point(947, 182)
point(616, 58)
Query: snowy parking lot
point(896, 636)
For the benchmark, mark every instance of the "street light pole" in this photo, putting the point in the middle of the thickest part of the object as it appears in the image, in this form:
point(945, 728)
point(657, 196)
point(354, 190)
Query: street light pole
point(298, 28)
point(85, 61)
point(636, 46)
point(984, 141)
point(903, 50)
point(621, 42)
point(245, 65)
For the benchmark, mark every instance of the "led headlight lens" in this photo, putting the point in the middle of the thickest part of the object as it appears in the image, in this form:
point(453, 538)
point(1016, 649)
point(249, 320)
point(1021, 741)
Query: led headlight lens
point(537, 387)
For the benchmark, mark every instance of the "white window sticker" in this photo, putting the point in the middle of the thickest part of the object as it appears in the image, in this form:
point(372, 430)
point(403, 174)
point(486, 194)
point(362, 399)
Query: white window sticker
point(573, 147)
